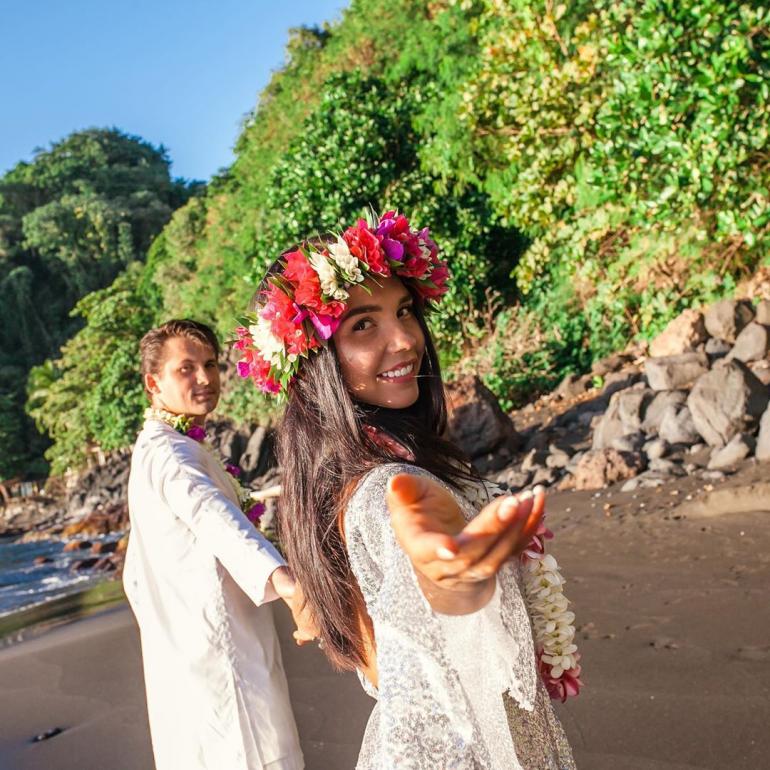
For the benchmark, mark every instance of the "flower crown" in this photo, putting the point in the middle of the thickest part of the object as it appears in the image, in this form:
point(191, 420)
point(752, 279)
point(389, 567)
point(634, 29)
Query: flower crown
point(305, 299)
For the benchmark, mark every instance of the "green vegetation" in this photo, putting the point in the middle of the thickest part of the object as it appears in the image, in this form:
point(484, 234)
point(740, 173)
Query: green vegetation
point(590, 169)
point(70, 221)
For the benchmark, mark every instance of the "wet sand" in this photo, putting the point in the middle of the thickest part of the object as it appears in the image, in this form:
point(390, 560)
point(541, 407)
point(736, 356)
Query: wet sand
point(672, 603)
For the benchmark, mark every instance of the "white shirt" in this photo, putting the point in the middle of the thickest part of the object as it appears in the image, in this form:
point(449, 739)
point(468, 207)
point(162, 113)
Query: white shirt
point(196, 576)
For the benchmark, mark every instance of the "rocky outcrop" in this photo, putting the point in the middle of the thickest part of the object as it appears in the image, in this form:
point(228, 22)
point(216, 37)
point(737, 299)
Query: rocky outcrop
point(479, 426)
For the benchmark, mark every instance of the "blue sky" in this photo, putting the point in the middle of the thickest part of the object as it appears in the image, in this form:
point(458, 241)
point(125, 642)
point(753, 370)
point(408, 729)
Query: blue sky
point(181, 73)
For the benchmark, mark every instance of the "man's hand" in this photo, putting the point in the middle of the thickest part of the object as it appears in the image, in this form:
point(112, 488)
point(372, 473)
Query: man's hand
point(450, 554)
point(291, 592)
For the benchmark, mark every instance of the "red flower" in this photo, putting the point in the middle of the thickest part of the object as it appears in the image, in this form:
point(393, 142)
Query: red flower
point(365, 245)
point(435, 285)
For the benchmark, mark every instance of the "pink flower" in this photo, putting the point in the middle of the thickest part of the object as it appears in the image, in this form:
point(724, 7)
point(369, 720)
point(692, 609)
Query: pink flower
point(254, 514)
point(563, 687)
point(233, 470)
point(196, 433)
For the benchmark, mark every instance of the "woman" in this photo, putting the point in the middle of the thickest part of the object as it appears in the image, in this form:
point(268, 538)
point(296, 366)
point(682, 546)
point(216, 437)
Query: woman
point(402, 551)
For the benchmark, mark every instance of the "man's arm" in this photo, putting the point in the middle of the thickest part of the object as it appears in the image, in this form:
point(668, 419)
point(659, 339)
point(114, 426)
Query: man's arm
point(184, 484)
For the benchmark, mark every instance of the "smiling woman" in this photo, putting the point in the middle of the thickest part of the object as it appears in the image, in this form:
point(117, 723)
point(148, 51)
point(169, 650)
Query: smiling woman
point(380, 347)
point(401, 550)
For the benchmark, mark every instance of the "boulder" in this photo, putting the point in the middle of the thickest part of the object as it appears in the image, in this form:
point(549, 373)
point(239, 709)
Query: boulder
point(761, 370)
point(655, 449)
point(738, 448)
point(682, 335)
point(477, 424)
point(533, 460)
point(762, 450)
point(672, 372)
point(573, 385)
point(715, 348)
point(666, 467)
point(631, 442)
point(513, 479)
point(726, 319)
point(726, 401)
point(678, 427)
point(545, 477)
point(610, 364)
point(763, 312)
point(752, 343)
point(624, 415)
point(600, 467)
point(657, 408)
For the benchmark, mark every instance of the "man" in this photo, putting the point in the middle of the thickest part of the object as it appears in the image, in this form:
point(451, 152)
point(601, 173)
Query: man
point(199, 577)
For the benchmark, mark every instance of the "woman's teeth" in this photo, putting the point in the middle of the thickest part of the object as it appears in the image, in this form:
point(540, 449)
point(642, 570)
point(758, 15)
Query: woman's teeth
point(398, 372)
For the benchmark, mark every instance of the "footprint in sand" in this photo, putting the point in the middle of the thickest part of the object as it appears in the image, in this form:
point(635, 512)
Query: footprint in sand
point(753, 653)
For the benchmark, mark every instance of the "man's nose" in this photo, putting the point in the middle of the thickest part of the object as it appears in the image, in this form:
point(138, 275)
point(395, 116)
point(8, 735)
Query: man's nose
point(203, 375)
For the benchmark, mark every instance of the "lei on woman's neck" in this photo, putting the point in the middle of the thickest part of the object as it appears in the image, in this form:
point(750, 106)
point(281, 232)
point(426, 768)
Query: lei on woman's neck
point(306, 298)
point(185, 425)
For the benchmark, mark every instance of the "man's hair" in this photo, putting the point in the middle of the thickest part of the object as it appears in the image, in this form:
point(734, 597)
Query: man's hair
point(151, 346)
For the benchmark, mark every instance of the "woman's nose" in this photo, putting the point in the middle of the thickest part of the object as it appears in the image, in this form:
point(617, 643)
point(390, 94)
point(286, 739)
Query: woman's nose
point(401, 338)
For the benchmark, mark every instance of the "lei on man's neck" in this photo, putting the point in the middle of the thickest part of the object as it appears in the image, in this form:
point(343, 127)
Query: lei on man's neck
point(306, 298)
point(185, 425)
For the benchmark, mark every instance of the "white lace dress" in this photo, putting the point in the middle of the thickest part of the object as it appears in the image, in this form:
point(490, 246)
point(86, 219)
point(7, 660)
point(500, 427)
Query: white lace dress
point(455, 693)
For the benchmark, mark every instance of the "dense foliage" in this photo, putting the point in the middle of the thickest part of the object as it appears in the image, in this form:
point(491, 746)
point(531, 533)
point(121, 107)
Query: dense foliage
point(589, 168)
point(70, 221)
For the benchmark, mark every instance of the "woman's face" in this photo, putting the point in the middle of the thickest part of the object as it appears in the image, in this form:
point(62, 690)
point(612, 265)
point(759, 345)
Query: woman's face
point(380, 344)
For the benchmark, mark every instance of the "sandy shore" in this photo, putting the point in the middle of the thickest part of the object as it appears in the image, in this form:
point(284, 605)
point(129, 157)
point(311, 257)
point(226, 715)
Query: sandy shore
point(672, 602)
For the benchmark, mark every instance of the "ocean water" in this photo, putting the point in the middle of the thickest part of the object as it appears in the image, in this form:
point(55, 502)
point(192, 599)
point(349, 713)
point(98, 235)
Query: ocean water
point(25, 584)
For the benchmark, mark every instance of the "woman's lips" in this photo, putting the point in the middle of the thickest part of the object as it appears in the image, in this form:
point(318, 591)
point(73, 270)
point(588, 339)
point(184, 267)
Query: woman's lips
point(401, 373)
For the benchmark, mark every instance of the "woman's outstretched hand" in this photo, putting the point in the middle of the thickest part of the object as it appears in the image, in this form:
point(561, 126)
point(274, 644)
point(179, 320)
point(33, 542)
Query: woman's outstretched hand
point(453, 557)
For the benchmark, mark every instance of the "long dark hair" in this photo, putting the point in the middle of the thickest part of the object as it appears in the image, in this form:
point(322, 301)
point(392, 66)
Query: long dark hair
point(323, 451)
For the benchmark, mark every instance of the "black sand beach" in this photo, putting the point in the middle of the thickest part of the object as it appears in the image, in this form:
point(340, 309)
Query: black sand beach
point(671, 598)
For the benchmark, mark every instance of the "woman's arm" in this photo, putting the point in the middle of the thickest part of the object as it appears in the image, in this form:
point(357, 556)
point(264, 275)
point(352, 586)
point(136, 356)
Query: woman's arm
point(455, 562)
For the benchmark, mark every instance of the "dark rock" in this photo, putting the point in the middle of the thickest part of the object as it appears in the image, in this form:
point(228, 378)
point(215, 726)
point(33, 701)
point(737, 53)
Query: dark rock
point(609, 364)
point(726, 319)
point(717, 348)
point(617, 381)
point(104, 547)
point(752, 343)
point(77, 545)
point(672, 372)
point(763, 312)
point(667, 467)
point(513, 479)
point(631, 442)
point(477, 424)
point(545, 477)
point(738, 448)
point(600, 467)
point(727, 400)
point(678, 427)
point(655, 449)
point(83, 564)
point(623, 416)
point(534, 459)
point(762, 450)
point(573, 385)
point(682, 335)
point(657, 408)
point(761, 370)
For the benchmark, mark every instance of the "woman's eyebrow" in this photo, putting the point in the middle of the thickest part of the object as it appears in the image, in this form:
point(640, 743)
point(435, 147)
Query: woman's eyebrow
point(363, 309)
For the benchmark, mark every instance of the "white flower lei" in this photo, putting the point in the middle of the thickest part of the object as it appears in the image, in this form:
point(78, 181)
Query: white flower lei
point(183, 424)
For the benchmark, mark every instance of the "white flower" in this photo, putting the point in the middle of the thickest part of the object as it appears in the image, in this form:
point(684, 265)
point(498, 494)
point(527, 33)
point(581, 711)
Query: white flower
point(346, 262)
point(269, 346)
point(327, 276)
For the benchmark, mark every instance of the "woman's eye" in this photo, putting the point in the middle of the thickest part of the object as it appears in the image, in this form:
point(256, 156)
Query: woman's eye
point(364, 323)
point(405, 311)
point(185, 369)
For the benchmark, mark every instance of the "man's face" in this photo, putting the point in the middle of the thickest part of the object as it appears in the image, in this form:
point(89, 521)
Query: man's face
point(188, 380)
